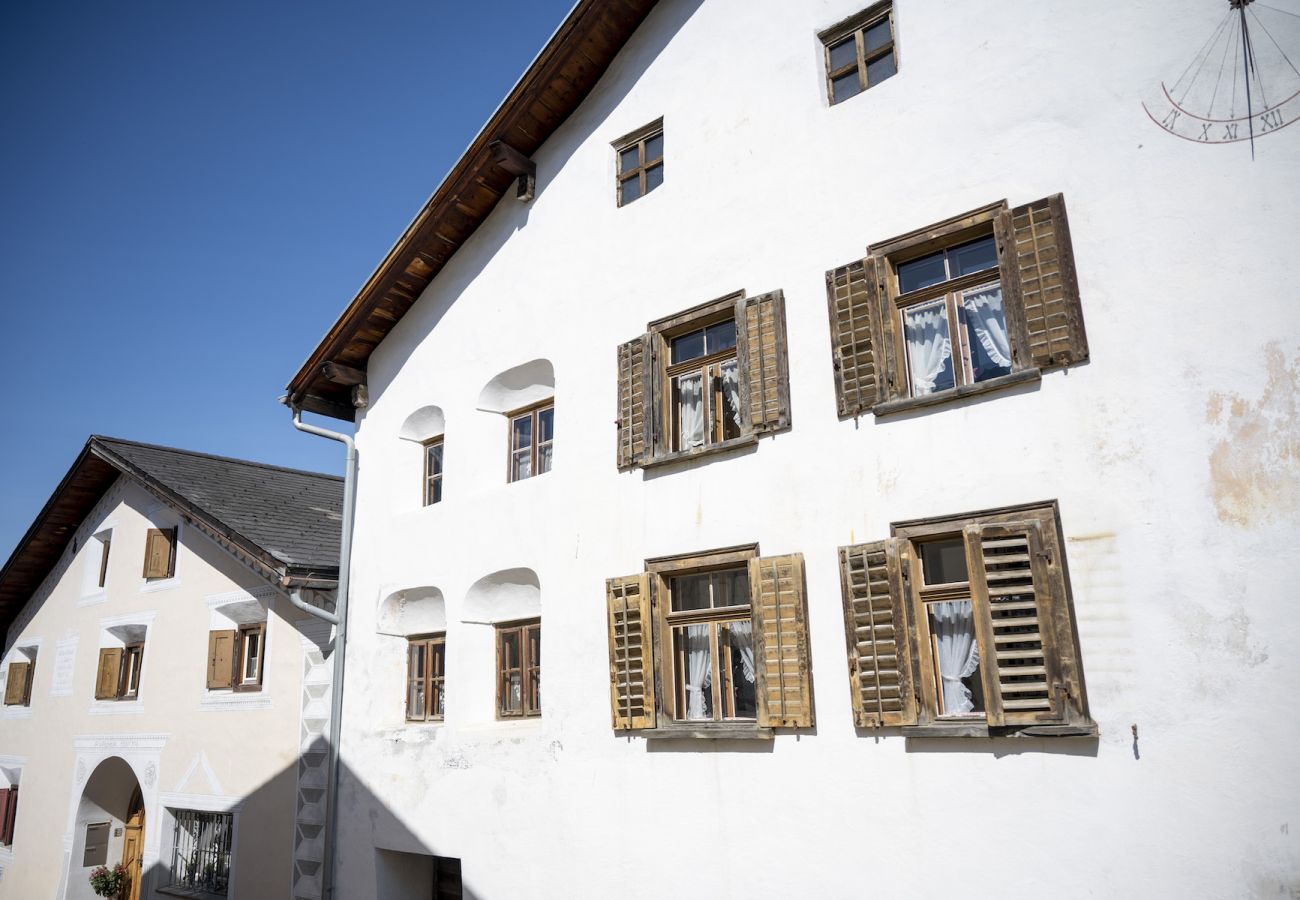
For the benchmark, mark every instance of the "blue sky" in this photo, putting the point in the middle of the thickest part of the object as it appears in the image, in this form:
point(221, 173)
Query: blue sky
point(191, 194)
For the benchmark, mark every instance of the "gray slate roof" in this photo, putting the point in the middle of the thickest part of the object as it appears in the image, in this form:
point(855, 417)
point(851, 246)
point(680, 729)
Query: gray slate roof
point(295, 516)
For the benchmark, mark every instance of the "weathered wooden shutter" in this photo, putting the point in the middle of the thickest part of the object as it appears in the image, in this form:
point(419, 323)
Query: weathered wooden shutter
point(11, 814)
point(881, 680)
point(857, 343)
point(776, 585)
point(16, 686)
point(631, 657)
point(159, 552)
point(110, 669)
point(1040, 286)
point(221, 659)
point(761, 346)
point(634, 402)
point(6, 832)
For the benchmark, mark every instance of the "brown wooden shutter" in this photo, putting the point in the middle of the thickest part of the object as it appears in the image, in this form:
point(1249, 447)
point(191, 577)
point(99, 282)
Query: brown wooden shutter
point(6, 832)
point(1044, 315)
point(16, 687)
point(776, 585)
point(634, 401)
point(108, 674)
point(159, 552)
point(857, 343)
point(221, 659)
point(761, 346)
point(882, 682)
point(11, 814)
point(631, 658)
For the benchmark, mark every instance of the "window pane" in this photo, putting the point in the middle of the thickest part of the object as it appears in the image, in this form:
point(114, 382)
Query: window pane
point(415, 700)
point(544, 454)
point(876, 36)
point(654, 148)
point(631, 188)
point(252, 651)
point(435, 491)
point(545, 424)
point(688, 346)
point(654, 176)
point(628, 159)
point(986, 327)
point(523, 465)
point(929, 347)
point(739, 637)
point(846, 86)
point(880, 69)
point(730, 411)
point(690, 411)
point(514, 699)
point(944, 562)
point(956, 655)
point(844, 53)
point(521, 432)
point(731, 588)
point(721, 336)
point(923, 272)
point(435, 459)
point(690, 592)
point(694, 646)
point(973, 257)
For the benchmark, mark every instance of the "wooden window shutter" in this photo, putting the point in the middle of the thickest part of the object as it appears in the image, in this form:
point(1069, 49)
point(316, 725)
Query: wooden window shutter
point(776, 585)
point(634, 400)
point(631, 658)
point(1039, 283)
point(6, 832)
point(764, 366)
point(221, 659)
point(16, 687)
point(1028, 656)
point(110, 668)
point(858, 346)
point(11, 814)
point(159, 552)
point(882, 680)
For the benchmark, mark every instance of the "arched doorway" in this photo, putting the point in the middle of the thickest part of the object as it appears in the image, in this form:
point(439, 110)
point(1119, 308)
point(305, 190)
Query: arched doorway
point(109, 828)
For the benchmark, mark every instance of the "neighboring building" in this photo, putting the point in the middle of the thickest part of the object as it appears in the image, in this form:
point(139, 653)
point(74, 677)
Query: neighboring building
point(755, 503)
point(158, 684)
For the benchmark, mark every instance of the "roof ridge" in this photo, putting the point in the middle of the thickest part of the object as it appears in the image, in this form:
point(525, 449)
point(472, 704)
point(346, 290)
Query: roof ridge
point(100, 438)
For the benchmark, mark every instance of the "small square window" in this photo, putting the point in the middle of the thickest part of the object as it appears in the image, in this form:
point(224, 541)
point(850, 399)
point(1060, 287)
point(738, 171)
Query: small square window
point(640, 162)
point(860, 52)
point(519, 669)
point(532, 438)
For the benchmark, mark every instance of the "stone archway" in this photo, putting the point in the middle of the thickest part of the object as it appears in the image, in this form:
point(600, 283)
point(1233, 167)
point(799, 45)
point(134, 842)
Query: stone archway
point(108, 828)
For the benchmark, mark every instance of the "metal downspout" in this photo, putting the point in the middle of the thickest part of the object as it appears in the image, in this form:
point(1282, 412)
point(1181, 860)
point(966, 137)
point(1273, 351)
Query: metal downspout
point(340, 620)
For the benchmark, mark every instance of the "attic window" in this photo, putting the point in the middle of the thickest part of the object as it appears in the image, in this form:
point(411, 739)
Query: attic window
point(640, 162)
point(860, 52)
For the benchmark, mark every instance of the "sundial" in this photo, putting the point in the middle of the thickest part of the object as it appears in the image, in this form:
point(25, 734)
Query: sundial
point(1242, 83)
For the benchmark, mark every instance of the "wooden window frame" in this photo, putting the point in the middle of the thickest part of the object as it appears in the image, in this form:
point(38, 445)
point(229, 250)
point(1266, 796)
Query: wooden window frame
point(854, 26)
point(431, 478)
point(638, 140)
point(237, 682)
point(434, 684)
point(535, 410)
point(529, 669)
point(127, 672)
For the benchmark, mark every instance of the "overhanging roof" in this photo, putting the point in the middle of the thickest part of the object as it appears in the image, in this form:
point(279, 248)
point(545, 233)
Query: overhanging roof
point(558, 80)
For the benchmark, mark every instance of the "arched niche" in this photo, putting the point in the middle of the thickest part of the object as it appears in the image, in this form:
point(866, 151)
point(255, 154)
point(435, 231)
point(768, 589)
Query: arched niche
point(503, 596)
point(426, 422)
point(518, 387)
point(413, 610)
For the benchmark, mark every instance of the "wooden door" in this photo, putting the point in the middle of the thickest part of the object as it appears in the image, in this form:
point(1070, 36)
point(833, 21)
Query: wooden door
point(133, 848)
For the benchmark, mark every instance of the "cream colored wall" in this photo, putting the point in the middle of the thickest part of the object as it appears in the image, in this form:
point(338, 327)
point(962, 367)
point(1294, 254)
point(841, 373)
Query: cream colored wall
point(176, 736)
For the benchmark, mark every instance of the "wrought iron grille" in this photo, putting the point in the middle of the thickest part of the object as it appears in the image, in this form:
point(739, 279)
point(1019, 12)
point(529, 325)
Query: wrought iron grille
point(201, 852)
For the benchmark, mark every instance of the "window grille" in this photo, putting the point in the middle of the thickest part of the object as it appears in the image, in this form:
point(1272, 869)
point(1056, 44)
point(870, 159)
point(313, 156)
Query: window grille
point(201, 852)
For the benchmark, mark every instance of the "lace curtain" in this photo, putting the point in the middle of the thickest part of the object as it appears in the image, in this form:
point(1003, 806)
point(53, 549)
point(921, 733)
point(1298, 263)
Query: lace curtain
point(929, 347)
point(988, 328)
point(699, 663)
point(952, 622)
point(690, 406)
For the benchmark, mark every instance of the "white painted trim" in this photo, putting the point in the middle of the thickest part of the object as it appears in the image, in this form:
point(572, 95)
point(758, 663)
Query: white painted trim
point(202, 802)
point(17, 712)
point(100, 596)
point(115, 708)
point(60, 646)
point(228, 700)
point(136, 618)
point(257, 594)
point(119, 742)
point(12, 762)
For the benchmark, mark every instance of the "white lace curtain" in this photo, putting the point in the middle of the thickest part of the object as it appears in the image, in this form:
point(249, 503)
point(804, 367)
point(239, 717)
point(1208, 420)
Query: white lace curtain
point(952, 622)
point(929, 345)
point(690, 406)
point(742, 639)
point(988, 324)
point(699, 677)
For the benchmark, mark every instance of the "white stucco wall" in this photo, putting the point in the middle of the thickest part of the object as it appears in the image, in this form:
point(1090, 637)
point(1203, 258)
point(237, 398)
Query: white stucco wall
point(1172, 455)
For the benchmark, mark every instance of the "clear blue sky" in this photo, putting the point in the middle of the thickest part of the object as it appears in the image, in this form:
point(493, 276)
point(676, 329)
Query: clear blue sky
point(191, 193)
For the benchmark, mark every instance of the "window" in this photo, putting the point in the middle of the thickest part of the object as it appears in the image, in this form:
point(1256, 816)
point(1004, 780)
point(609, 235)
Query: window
point(104, 545)
point(982, 301)
point(432, 471)
point(860, 52)
point(519, 669)
point(18, 686)
point(532, 433)
point(95, 851)
point(160, 553)
point(725, 635)
point(979, 606)
point(447, 883)
point(640, 162)
point(426, 667)
point(8, 814)
point(118, 673)
point(710, 378)
point(237, 658)
point(200, 859)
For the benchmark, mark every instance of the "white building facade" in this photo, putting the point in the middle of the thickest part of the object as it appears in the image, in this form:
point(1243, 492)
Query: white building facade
point(959, 565)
